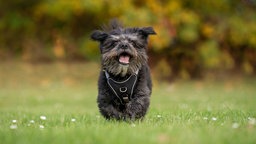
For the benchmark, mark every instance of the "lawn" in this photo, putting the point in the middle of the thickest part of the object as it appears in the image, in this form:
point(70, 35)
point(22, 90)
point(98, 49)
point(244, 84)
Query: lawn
point(56, 103)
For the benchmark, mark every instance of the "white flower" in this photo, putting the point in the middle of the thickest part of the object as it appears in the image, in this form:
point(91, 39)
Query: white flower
point(235, 125)
point(43, 117)
point(158, 116)
point(214, 118)
point(252, 121)
point(41, 126)
point(73, 120)
point(14, 121)
point(32, 121)
point(205, 118)
point(13, 126)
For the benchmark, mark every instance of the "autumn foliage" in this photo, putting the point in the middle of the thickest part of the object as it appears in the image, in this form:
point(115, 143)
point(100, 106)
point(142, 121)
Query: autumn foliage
point(192, 36)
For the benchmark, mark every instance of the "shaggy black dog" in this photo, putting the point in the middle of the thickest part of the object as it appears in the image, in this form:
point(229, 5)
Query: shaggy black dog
point(124, 85)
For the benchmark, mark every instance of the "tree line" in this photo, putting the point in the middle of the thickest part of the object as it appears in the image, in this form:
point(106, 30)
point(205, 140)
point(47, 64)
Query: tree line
point(192, 36)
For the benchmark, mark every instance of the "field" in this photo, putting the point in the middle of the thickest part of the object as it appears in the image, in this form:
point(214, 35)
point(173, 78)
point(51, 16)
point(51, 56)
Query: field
point(56, 103)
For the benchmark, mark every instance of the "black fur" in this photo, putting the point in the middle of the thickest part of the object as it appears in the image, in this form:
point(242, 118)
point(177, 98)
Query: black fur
point(112, 39)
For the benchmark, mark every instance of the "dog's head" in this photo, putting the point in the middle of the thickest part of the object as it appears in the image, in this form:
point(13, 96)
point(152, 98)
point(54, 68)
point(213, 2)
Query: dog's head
point(123, 50)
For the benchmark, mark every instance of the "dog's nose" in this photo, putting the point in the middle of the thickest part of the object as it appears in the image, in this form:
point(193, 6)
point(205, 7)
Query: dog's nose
point(124, 46)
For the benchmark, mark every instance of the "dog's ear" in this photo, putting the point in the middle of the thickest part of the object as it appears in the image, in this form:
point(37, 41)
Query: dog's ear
point(145, 31)
point(99, 36)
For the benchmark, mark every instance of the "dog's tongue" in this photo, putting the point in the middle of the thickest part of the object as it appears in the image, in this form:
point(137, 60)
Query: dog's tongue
point(124, 59)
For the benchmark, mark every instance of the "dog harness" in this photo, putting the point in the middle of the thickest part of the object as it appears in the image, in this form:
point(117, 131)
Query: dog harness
point(122, 89)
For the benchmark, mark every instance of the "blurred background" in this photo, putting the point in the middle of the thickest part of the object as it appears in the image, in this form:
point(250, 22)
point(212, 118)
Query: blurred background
point(195, 39)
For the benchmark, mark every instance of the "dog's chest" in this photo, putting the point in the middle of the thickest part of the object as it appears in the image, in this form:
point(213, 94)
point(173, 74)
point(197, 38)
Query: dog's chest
point(123, 89)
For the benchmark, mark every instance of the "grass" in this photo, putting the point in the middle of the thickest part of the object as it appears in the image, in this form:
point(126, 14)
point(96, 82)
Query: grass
point(182, 112)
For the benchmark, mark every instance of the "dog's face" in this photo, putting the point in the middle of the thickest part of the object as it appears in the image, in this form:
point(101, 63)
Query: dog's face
point(123, 50)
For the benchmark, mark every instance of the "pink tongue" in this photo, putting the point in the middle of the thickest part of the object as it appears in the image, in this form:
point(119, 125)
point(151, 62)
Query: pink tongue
point(124, 59)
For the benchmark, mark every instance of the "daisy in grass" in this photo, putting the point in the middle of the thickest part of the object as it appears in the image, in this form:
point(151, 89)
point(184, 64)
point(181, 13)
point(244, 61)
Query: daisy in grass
point(43, 117)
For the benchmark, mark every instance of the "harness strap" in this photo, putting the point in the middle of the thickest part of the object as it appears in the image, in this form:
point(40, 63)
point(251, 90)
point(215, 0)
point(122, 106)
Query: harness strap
point(122, 89)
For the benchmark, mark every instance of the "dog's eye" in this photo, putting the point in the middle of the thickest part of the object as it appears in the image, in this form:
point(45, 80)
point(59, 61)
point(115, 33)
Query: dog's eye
point(114, 43)
point(110, 44)
point(137, 44)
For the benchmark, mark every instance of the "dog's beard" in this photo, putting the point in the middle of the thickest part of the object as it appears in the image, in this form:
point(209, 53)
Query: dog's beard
point(123, 62)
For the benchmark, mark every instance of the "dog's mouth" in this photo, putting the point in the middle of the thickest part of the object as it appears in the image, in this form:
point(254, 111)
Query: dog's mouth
point(124, 58)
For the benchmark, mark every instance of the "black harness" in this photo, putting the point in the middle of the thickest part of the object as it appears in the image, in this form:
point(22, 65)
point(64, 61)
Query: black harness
point(122, 89)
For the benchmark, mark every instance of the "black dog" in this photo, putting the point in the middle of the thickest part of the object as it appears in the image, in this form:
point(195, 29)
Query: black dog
point(124, 85)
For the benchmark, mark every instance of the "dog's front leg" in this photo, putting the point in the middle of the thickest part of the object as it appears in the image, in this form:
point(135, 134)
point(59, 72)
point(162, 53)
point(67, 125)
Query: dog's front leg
point(109, 111)
point(137, 108)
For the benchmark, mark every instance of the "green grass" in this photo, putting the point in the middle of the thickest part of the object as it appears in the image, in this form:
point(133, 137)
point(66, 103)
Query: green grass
point(182, 112)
